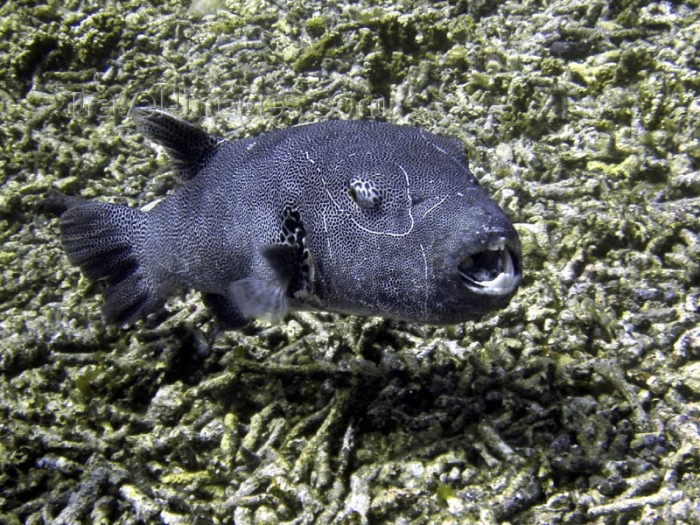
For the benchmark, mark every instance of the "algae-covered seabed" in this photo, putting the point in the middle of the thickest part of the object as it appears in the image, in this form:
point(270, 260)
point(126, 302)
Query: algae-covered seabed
point(576, 404)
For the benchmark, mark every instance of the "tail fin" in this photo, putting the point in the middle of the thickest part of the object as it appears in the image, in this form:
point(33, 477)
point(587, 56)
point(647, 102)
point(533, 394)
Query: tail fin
point(105, 241)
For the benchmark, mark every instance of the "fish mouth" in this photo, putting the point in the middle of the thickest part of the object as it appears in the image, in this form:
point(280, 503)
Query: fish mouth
point(493, 271)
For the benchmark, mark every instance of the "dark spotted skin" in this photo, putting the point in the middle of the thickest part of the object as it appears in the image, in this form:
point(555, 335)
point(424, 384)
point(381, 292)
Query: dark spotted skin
point(355, 217)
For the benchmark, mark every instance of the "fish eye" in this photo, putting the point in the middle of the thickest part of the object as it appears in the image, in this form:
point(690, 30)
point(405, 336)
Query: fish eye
point(364, 192)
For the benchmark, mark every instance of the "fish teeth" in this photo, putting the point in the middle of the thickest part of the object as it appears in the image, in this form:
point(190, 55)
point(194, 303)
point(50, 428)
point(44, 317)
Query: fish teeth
point(499, 244)
point(502, 283)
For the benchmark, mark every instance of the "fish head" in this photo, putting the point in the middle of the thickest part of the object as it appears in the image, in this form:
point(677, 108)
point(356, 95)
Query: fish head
point(415, 237)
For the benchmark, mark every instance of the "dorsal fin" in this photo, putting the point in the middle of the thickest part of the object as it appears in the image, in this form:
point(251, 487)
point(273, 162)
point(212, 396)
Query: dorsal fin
point(188, 146)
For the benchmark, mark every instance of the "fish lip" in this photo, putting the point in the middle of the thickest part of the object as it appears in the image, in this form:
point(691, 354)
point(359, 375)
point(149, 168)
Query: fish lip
point(494, 270)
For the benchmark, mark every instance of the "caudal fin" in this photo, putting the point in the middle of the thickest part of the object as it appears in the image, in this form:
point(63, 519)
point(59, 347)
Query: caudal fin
point(105, 241)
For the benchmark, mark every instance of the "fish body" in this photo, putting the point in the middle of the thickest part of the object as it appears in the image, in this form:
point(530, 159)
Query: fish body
point(353, 217)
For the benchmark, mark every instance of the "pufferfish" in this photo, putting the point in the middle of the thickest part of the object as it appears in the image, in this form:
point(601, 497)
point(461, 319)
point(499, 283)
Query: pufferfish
point(354, 217)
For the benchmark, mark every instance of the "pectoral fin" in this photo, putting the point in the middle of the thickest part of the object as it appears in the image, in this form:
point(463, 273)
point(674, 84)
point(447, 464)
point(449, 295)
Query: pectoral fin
point(283, 259)
point(291, 268)
point(225, 311)
point(258, 299)
point(262, 299)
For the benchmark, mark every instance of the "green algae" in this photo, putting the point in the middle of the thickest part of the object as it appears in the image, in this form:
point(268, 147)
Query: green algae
point(576, 403)
point(392, 43)
point(311, 57)
point(316, 26)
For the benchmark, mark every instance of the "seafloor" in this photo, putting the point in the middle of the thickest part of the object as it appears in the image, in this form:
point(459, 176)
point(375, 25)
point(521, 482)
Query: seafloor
point(576, 404)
